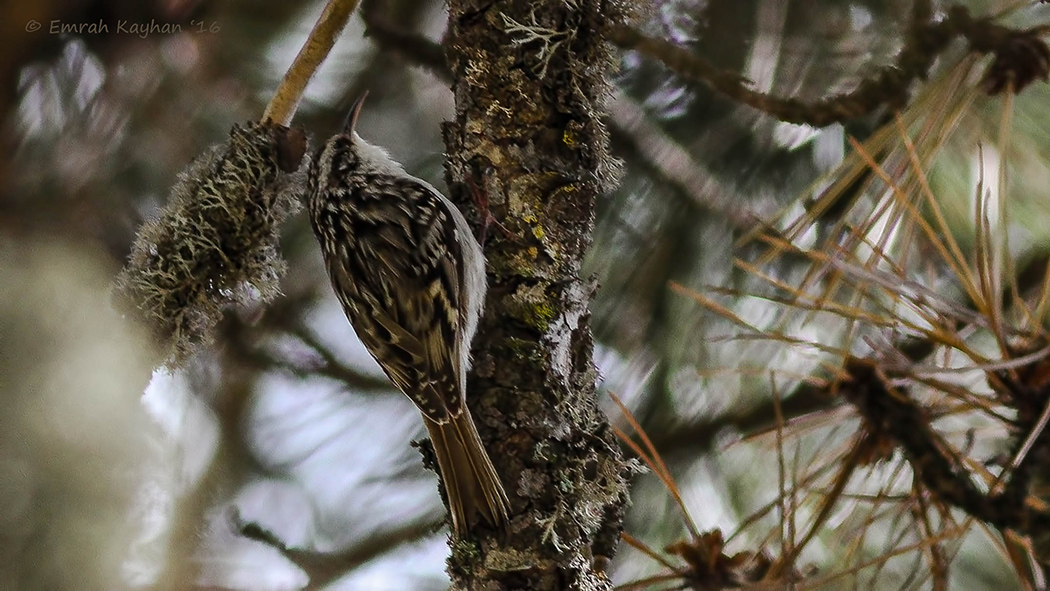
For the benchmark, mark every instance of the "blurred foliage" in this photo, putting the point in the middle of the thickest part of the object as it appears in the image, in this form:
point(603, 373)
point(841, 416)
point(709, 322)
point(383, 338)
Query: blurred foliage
point(97, 128)
point(75, 444)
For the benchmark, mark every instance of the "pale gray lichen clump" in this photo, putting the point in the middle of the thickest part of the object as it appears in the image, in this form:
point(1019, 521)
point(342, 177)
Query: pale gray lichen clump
point(215, 244)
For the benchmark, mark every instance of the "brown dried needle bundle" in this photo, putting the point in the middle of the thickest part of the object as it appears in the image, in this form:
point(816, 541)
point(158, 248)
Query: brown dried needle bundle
point(215, 243)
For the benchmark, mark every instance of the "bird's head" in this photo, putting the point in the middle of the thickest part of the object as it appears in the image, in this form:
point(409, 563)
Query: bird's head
point(346, 156)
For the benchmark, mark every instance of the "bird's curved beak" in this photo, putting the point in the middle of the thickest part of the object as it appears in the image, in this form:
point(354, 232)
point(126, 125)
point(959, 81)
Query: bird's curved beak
point(351, 117)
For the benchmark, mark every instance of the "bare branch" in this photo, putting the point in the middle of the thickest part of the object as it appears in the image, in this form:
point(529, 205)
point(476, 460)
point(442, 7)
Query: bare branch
point(1020, 58)
point(290, 91)
point(673, 163)
point(323, 568)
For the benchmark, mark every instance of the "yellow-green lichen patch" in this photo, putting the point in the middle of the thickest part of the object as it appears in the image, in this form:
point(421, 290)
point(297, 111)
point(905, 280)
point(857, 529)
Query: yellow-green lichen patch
point(491, 152)
point(536, 228)
point(465, 554)
point(541, 315)
point(522, 349)
point(566, 189)
point(537, 231)
point(518, 205)
point(531, 306)
point(521, 263)
point(568, 137)
point(525, 193)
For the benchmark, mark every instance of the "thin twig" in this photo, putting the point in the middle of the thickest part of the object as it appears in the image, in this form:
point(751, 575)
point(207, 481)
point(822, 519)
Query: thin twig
point(320, 42)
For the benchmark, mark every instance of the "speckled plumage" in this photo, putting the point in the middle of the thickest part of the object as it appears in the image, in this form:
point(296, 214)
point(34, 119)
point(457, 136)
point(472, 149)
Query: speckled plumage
point(411, 278)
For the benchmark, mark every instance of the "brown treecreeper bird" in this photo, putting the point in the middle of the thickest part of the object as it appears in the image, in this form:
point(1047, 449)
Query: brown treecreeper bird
point(411, 278)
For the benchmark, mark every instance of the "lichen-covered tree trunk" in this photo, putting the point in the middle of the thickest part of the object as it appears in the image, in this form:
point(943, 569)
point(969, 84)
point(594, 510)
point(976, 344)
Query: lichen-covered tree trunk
point(528, 148)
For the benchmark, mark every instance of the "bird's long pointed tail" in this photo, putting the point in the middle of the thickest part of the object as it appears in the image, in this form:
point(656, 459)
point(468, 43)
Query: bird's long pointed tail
point(471, 482)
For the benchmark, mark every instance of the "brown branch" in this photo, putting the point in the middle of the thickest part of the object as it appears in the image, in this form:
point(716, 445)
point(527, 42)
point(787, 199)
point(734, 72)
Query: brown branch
point(1021, 57)
point(330, 367)
point(284, 317)
point(290, 91)
point(888, 88)
point(891, 412)
point(699, 436)
point(670, 161)
point(324, 567)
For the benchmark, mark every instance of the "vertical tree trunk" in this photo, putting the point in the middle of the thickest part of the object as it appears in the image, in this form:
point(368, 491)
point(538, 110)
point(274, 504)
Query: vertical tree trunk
point(527, 145)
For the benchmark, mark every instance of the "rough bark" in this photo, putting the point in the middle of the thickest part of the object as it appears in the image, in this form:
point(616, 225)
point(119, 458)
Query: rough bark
point(528, 148)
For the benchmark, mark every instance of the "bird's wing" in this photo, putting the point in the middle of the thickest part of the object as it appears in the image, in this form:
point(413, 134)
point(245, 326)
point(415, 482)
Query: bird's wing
point(408, 266)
